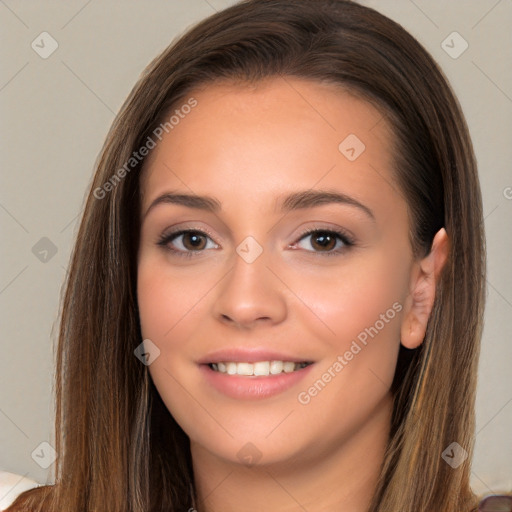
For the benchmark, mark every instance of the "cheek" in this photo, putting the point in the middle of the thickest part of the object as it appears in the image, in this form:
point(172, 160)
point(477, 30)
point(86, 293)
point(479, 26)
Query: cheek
point(154, 301)
point(169, 311)
point(354, 297)
point(167, 300)
point(360, 305)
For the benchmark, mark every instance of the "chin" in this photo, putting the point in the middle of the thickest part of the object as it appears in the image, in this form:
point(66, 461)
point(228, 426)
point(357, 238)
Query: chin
point(252, 452)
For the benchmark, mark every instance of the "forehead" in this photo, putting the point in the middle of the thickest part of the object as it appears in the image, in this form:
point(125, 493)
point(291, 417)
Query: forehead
point(260, 138)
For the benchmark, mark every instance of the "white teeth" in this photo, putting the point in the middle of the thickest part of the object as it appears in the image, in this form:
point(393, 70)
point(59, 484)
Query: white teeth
point(260, 368)
point(276, 367)
point(231, 368)
point(288, 367)
point(245, 369)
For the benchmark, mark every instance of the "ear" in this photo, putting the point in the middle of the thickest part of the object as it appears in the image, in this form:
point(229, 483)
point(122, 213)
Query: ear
point(420, 301)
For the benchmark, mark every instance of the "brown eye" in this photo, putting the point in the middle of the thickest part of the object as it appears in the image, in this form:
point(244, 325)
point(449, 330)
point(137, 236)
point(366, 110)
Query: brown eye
point(324, 241)
point(185, 242)
point(193, 241)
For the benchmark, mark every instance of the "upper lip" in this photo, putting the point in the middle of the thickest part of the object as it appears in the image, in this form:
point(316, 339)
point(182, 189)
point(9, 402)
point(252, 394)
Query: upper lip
point(249, 355)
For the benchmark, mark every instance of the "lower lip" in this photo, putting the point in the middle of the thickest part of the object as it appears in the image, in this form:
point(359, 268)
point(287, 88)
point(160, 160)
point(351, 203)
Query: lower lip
point(252, 387)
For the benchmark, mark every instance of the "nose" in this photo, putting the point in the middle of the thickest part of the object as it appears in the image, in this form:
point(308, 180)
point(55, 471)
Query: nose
point(250, 294)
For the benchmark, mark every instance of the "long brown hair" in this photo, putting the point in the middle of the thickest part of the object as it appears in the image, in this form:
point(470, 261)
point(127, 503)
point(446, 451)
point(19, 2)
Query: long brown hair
point(119, 449)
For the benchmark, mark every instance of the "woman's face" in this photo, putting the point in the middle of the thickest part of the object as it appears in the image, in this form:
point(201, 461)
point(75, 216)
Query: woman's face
point(249, 285)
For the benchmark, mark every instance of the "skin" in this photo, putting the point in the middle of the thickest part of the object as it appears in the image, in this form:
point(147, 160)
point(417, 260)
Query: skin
point(248, 146)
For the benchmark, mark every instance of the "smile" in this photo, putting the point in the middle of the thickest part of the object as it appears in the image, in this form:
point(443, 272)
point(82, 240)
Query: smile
point(255, 380)
point(260, 368)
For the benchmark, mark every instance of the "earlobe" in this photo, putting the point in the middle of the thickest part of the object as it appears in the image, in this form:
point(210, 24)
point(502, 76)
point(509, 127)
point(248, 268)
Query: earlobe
point(420, 301)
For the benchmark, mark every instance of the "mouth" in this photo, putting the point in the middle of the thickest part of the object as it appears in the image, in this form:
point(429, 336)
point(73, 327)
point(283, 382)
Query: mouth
point(257, 369)
point(243, 380)
point(250, 373)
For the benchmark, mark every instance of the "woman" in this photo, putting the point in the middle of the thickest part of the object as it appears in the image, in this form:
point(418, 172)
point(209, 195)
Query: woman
point(319, 351)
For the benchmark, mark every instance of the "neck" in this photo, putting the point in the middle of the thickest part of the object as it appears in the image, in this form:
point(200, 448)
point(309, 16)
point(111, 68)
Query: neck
point(343, 477)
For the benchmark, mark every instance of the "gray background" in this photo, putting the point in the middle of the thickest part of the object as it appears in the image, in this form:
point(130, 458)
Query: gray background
point(55, 113)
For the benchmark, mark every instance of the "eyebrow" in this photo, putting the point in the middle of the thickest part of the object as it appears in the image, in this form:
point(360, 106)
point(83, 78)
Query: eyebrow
point(295, 201)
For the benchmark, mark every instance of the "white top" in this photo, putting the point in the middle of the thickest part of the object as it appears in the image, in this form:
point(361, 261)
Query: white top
point(11, 485)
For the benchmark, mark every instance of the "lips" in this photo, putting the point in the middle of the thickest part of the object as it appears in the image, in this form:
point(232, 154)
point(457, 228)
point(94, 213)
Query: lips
point(242, 373)
point(252, 387)
point(251, 355)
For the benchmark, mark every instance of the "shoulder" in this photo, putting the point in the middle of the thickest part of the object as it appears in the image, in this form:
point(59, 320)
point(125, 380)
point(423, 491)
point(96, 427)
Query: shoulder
point(11, 485)
point(496, 502)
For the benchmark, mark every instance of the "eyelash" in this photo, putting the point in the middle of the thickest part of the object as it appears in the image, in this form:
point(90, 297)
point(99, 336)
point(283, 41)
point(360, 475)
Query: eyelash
point(347, 240)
